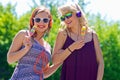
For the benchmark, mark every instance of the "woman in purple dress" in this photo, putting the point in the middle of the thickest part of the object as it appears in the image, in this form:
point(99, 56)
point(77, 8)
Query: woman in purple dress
point(30, 49)
point(77, 47)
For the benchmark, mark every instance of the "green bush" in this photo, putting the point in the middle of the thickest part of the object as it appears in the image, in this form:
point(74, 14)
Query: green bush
point(107, 32)
point(110, 44)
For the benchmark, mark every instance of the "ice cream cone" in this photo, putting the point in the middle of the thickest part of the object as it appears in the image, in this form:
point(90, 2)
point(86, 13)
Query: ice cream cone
point(32, 31)
point(83, 31)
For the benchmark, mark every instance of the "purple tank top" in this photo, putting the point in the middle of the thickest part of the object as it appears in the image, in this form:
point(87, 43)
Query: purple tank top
point(25, 68)
point(81, 64)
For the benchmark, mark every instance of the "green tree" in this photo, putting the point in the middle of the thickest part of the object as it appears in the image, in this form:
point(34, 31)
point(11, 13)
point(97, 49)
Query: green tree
point(10, 24)
point(107, 32)
point(110, 44)
point(7, 24)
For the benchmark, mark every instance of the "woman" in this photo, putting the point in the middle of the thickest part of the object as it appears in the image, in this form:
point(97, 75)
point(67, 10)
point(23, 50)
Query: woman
point(30, 49)
point(77, 47)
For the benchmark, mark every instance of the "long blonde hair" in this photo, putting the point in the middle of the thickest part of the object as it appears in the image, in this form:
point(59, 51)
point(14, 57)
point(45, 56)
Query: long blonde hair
point(73, 7)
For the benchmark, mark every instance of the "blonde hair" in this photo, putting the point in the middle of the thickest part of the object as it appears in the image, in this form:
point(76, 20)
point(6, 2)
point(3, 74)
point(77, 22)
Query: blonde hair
point(73, 7)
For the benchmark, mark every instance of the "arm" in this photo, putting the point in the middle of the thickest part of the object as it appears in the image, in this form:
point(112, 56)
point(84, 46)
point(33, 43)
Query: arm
point(50, 70)
point(14, 54)
point(60, 55)
point(99, 56)
point(57, 56)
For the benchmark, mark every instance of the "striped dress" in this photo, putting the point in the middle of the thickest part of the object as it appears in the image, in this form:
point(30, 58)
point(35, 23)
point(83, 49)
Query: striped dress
point(30, 66)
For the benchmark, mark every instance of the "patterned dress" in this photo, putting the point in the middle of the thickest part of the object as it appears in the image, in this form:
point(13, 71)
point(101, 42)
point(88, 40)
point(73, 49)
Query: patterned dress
point(81, 64)
point(30, 66)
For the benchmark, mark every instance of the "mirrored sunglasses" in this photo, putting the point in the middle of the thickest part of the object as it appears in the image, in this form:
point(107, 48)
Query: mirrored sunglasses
point(68, 15)
point(45, 20)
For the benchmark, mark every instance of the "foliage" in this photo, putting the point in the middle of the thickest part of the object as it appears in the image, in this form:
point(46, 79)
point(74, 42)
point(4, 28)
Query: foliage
point(110, 44)
point(107, 33)
point(8, 29)
point(10, 25)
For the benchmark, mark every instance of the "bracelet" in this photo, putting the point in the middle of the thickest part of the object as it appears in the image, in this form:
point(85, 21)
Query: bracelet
point(69, 49)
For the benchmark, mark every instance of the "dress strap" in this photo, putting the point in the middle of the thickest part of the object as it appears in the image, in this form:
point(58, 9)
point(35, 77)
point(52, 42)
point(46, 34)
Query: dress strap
point(27, 33)
point(66, 32)
point(92, 35)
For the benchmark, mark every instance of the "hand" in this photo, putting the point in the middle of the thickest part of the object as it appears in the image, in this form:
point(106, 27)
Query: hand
point(77, 45)
point(27, 42)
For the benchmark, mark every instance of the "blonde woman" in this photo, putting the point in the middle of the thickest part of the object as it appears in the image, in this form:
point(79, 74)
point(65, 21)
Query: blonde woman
point(77, 47)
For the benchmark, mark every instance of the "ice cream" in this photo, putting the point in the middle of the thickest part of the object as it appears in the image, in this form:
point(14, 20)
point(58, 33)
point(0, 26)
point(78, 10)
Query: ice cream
point(83, 30)
point(32, 31)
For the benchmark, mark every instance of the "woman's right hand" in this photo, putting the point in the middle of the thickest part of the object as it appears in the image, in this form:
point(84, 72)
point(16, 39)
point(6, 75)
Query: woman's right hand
point(27, 42)
point(77, 45)
point(15, 52)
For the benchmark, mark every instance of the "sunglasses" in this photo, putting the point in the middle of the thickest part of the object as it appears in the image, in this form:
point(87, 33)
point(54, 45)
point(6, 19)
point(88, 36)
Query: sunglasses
point(45, 20)
point(68, 15)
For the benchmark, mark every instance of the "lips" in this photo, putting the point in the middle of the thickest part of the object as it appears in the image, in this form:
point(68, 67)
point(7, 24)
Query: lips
point(41, 26)
point(68, 22)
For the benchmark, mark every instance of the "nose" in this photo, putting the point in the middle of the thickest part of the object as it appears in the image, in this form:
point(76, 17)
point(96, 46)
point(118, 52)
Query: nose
point(41, 22)
point(66, 18)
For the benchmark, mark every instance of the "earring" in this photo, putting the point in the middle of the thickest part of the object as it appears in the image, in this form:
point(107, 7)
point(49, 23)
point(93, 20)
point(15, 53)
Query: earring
point(78, 14)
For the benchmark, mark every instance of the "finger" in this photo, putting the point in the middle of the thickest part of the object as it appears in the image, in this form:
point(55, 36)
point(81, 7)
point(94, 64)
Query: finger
point(80, 42)
point(28, 44)
point(28, 38)
point(29, 33)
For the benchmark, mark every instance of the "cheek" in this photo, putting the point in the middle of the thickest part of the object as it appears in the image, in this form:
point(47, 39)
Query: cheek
point(36, 23)
point(46, 25)
point(74, 20)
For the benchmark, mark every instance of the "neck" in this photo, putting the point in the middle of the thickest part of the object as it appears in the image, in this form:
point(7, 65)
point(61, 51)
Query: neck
point(76, 29)
point(39, 36)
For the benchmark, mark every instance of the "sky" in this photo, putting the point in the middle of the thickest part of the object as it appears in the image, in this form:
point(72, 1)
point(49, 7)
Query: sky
point(107, 8)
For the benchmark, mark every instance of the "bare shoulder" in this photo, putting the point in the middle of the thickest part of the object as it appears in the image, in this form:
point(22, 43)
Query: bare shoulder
point(62, 33)
point(95, 37)
point(47, 46)
point(92, 34)
point(60, 40)
point(17, 41)
point(20, 35)
point(91, 31)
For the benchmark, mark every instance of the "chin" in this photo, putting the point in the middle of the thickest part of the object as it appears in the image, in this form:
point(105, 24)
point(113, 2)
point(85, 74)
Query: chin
point(41, 31)
point(69, 26)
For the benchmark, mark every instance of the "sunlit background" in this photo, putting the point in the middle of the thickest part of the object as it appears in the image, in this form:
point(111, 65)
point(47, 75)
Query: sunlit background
point(109, 9)
point(103, 17)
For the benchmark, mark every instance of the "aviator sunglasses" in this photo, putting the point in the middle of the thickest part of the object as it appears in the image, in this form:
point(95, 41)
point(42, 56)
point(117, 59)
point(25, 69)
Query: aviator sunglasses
point(45, 20)
point(68, 15)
